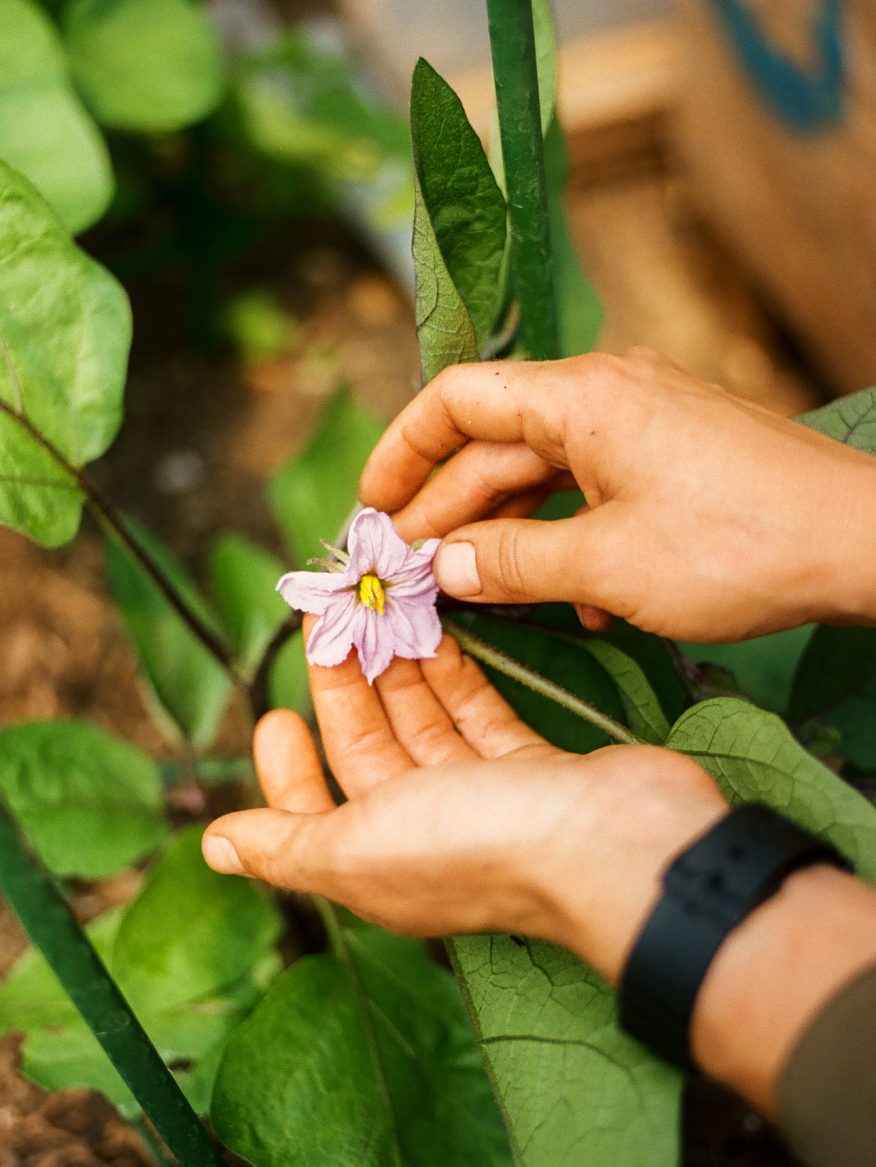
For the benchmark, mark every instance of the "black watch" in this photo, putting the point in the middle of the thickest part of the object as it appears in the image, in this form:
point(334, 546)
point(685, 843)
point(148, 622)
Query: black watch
point(708, 889)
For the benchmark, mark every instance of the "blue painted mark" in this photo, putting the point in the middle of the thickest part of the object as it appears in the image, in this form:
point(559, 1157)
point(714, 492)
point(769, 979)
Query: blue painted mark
point(806, 101)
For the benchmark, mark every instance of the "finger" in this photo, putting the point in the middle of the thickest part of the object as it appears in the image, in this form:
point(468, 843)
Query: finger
point(287, 850)
point(501, 401)
point(528, 561)
point(288, 765)
point(359, 741)
point(472, 485)
point(419, 720)
point(594, 619)
point(485, 720)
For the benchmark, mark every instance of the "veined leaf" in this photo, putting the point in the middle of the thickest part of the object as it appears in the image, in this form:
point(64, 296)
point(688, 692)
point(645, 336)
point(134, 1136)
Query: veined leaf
point(753, 758)
point(315, 491)
point(188, 686)
point(147, 65)
point(835, 683)
point(64, 334)
point(644, 714)
point(412, 1089)
point(244, 581)
point(459, 194)
point(851, 420)
point(89, 803)
point(573, 1088)
point(445, 332)
point(45, 131)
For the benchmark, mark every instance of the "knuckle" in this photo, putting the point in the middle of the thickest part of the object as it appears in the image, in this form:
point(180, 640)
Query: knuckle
point(510, 560)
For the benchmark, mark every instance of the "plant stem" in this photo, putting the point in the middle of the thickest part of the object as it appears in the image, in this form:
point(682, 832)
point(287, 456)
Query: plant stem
point(47, 919)
point(112, 519)
point(497, 660)
point(512, 44)
point(258, 687)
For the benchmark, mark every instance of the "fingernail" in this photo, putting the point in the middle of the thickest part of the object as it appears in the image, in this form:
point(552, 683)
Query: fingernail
point(456, 569)
point(221, 855)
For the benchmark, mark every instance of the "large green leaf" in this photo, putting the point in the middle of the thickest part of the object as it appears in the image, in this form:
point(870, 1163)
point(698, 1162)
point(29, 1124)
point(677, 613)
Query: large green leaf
point(459, 194)
point(563, 662)
point(45, 131)
point(386, 1028)
point(314, 493)
point(753, 758)
point(573, 1088)
point(148, 65)
point(188, 687)
point(192, 977)
point(244, 581)
point(64, 334)
point(89, 803)
point(851, 420)
point(445, 333)
point(836, 683)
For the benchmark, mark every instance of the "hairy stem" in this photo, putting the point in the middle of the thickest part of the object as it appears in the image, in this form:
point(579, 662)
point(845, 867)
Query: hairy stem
point(497, 660)
point(512, 43)
point(47, 919)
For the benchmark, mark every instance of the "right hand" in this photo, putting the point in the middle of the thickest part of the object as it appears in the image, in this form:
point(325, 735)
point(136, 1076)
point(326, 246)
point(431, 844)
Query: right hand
point(708, 518)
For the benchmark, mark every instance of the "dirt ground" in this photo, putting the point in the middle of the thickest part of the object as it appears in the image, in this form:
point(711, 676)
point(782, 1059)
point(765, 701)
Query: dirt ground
point(202, 435)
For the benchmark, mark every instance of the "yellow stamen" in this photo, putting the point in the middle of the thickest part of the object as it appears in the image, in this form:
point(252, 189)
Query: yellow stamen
point(371, 592)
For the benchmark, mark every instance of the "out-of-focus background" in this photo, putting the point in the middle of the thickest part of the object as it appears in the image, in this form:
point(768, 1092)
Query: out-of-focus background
point(721, 197)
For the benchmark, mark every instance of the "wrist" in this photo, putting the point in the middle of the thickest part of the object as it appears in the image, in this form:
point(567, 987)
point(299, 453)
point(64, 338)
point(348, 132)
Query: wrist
point(845, 592)
point(773, 974)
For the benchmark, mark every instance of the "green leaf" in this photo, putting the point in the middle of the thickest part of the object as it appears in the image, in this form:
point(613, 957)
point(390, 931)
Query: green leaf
point(45, 131)
point(835, 683)
point(753, 758)
point(459, 194)
point(763, 667)
point(851, 420)
point(644, 714)
point(244, 582)
point(573, 1088)
point(387, 1028)
point(145, 65)
point(288, 686)
point(561, 661)
point(314, 493)
point(190, 933)
point(445, 333)
point(64, 340)
point(188, 687)
point(89, 803)
point(204, 960)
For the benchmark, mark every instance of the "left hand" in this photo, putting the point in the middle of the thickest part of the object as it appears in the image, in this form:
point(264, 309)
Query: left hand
point(460, 817)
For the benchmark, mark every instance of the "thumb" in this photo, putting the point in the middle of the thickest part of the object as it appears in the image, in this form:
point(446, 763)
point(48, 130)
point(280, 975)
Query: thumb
point(272, 845)
point(519, 561)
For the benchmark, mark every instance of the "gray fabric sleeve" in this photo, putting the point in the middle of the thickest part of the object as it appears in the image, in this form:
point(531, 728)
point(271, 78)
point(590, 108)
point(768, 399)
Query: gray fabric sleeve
point(827, 1092)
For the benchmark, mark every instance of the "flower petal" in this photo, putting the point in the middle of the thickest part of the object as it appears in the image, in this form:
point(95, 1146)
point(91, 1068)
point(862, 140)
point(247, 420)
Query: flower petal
point(415, 628)
point(375, 546)
point(375, 643)
point(312, 591)
point(334, 633)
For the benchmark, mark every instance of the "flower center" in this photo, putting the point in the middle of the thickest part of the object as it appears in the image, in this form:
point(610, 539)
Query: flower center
point(371, 592)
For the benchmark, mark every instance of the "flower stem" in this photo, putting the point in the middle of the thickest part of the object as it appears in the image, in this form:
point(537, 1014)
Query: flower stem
point(497, 660)
point(515, 71)
point(47, 919)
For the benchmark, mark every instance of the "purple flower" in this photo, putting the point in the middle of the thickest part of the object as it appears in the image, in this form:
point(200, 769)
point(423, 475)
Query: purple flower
point(379, 597)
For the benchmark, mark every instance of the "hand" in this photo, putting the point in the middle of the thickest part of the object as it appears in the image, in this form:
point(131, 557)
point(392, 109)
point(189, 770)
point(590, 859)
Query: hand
point(460, 818)
point(708, 518)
